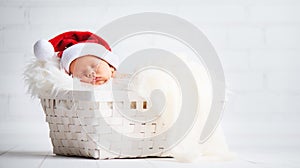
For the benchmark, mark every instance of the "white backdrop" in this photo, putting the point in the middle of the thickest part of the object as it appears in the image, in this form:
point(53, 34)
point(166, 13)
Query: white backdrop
point(258, 42)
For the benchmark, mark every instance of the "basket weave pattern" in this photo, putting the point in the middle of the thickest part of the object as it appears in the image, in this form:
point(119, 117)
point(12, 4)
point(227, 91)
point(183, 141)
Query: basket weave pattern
point(75, 127)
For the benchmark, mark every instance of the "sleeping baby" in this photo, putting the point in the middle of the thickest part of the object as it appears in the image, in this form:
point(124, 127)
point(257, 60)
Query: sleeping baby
point(83, 55)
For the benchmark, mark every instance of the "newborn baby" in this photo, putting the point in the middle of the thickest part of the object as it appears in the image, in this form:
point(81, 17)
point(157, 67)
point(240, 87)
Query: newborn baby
point(83, 55)
point(91, 69)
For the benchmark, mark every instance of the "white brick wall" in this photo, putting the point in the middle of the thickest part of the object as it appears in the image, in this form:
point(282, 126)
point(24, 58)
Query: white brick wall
point(4, 101)
point(274, 60)
point(213, 13)
point(245, 37)
point(12, 15)
point(57, 15)
point(283, 36)
point(268, 14)
point(258, 42)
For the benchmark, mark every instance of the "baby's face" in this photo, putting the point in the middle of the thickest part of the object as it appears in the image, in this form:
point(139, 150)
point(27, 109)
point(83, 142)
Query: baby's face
point(91, 69)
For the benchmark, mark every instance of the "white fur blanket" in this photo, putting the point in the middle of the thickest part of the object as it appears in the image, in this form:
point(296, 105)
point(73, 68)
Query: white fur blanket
point(42, 77)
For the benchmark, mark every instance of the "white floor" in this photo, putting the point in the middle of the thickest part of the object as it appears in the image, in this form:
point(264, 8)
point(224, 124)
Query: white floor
point(24, 144)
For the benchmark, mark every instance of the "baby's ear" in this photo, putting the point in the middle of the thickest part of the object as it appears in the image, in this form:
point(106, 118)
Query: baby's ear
point(113, 71)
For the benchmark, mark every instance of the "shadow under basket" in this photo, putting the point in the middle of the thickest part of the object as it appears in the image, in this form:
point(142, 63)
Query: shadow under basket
point(76, 121)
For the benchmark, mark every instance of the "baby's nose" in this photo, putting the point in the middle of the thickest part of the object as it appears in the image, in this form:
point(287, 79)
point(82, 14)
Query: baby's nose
point(92, 74)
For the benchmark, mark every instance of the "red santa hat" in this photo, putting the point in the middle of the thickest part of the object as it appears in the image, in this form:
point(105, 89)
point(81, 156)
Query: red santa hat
point(74, 44)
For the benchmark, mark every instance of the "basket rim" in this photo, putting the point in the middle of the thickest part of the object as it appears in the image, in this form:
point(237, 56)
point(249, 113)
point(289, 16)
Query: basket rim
point(88, 95)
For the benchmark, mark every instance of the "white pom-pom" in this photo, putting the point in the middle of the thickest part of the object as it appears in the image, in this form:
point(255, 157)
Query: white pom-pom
point(43, 50)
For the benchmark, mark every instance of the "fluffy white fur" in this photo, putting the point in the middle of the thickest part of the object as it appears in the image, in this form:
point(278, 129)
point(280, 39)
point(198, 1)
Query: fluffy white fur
point(46, 78)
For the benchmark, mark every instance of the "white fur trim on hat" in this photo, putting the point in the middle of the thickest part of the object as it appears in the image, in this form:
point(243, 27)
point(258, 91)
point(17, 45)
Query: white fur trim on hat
point(81, 49)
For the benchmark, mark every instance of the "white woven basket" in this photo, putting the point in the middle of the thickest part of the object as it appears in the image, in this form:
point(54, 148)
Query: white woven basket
point(74, 119)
